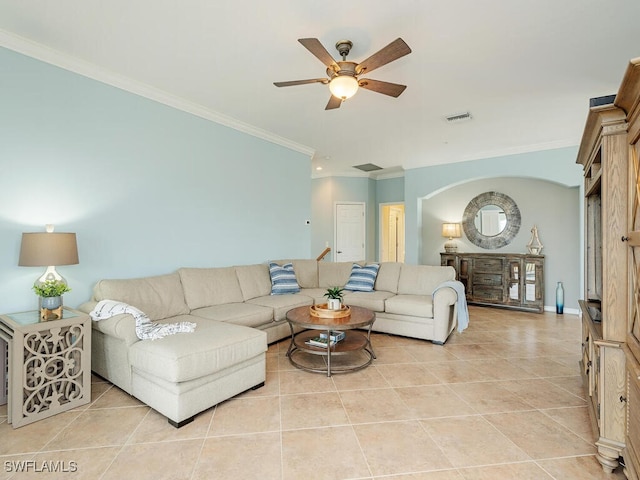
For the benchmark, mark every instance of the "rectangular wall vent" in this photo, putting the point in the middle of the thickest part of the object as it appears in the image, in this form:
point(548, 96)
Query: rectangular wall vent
point(458, 117)
point(597, 101)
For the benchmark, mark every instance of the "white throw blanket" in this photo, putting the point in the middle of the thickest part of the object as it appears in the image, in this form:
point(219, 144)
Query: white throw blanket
point(145, 328)
point(463, 312)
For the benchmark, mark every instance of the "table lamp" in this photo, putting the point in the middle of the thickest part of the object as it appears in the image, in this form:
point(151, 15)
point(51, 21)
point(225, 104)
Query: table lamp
point(48, 249)
point(451, 231)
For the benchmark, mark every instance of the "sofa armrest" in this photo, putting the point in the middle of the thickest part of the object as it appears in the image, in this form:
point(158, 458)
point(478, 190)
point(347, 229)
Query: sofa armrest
point(121, 326)
point(86, 307)
point(446, 296)
point(444, 313)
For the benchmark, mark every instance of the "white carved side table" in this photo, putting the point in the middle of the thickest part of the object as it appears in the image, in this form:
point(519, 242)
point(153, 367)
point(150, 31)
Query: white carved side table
point(49, 364)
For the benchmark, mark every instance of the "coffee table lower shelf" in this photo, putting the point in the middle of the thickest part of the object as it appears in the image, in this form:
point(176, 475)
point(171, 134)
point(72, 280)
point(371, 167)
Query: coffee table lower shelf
point(353, 344)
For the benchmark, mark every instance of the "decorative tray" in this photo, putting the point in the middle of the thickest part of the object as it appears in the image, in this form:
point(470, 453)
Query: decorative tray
point(321, 311)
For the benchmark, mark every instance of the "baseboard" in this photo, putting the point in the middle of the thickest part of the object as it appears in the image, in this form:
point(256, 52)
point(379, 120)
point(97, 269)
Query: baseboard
point(567, 311)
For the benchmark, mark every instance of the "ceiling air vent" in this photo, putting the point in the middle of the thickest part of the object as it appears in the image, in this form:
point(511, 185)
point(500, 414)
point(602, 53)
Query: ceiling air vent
point(458, 117)
point(367, 167)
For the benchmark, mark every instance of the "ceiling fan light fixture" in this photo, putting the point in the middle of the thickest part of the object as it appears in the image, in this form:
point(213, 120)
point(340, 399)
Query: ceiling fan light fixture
point(343, 86)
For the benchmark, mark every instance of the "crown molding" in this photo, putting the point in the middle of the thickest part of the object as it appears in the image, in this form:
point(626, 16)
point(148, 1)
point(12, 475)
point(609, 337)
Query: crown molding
point(387, 176)
point(369, 175)
point(73, 64)
point(504, 152)
point(531, 148)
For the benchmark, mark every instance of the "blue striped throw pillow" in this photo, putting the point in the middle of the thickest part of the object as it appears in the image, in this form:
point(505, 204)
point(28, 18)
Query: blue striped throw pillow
point(362, 279)
point(283, 279)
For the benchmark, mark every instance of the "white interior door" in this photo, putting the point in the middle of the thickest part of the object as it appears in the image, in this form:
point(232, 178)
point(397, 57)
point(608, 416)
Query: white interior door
point(350, 232)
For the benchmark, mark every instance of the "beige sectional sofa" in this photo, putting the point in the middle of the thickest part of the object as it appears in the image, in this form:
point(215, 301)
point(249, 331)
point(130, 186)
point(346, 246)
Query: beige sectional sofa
point(236, 318)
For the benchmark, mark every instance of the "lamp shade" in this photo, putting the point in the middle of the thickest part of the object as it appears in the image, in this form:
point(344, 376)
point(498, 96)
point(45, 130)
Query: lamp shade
point(451, 230)
point(43, 249)
point(343, 86)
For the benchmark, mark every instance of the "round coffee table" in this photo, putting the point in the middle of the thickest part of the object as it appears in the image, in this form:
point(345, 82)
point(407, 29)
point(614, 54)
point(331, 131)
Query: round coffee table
point(354, 341)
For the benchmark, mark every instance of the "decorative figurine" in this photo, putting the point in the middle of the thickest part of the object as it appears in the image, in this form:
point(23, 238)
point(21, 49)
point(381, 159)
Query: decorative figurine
point(534, 246)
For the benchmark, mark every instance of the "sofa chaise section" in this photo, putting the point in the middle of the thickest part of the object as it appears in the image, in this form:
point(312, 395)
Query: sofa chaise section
point(183, 375)
point(179, 375)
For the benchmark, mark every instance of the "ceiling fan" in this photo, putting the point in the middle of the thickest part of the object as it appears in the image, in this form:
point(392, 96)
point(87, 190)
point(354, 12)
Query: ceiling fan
point(344, 77)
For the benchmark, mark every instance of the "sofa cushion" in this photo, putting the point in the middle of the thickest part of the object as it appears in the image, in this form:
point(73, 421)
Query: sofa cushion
point(362, 278)
point(254, 280)
point(412, 305)
point(388, 276)
point(246, 314)
point(333, 274)
point(317, 294)
point(204, 287)
point(214, 346)
point(283, 279)
point(372, 300)
point(423, 279)
point(306, 273)
point(158, 297)
point(281, 304)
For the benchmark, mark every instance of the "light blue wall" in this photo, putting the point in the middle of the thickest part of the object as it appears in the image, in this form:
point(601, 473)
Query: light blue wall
point(556, 165)
point(552, 207)
point(325, 194)
point(547, 185)
point(390, 190)
point(147, 188)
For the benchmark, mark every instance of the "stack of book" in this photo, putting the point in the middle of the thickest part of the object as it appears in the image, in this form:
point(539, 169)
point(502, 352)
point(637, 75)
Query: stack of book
point(321, 340)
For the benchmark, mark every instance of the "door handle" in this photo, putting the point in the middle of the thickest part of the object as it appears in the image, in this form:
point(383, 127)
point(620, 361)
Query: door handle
point(339, 251)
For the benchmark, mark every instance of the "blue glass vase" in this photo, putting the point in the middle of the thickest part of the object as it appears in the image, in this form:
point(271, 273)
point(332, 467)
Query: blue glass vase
point(559, 298)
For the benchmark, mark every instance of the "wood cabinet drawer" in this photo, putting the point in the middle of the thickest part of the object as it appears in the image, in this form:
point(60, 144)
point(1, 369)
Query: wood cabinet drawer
point(487, 279)
point(488, 264)
point(487, 293)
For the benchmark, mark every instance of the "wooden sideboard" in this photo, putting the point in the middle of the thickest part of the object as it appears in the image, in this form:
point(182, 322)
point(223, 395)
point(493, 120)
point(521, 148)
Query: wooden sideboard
point(509, 280)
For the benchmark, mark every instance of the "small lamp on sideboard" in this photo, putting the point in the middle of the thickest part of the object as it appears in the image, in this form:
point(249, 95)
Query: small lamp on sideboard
point(451, 231)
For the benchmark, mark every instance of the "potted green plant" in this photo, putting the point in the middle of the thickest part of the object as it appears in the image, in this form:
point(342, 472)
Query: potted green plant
point(51, 293)
point(334, 298)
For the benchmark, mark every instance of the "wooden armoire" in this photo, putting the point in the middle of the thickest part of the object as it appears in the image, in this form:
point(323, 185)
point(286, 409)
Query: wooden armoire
point(609, 153)
point(628, 99)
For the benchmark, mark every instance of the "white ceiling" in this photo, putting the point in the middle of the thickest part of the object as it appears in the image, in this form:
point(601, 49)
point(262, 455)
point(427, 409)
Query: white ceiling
point(525, 69)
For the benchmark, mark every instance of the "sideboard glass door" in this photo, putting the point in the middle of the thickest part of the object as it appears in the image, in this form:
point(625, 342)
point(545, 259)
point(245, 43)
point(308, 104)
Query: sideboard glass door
point(515, 279)
point(532, 281)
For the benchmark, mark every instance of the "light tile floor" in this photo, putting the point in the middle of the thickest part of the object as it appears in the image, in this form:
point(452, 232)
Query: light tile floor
point(503, 400)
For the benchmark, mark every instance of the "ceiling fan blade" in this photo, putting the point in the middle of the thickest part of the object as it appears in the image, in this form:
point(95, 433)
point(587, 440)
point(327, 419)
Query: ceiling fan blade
point(315, 47)
point(396, 49)
point(301, 82)
point(386, 88)
point(334, 102)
